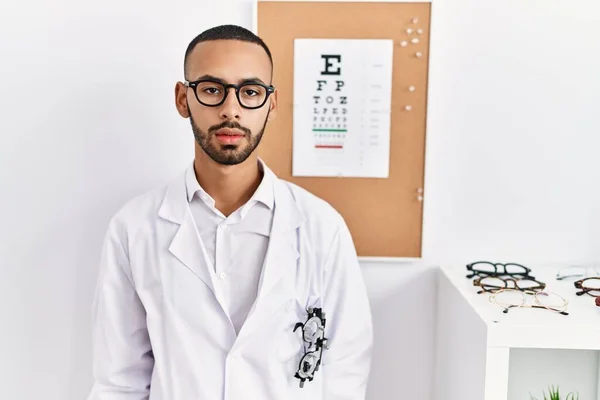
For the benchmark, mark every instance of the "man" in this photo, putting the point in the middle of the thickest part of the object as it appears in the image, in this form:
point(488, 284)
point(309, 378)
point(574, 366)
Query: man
point(206, 285)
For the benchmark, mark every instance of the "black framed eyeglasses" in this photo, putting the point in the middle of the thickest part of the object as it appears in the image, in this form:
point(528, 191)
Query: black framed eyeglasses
point(486, 268)
point(212, 92)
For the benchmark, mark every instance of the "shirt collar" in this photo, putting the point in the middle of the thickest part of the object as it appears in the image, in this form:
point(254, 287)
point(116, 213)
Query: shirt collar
point(264, 193)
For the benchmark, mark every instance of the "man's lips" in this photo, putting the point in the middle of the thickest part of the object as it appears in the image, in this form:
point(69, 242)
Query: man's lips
point(229, 136)
point(229, 132)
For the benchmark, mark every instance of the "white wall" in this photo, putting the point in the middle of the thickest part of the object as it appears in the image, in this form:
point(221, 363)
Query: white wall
point(87, 121)
point(513, 171)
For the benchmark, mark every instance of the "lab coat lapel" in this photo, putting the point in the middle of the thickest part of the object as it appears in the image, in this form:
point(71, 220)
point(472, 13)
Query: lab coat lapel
point(185, 245)
point(282, 252)
point(281, 259)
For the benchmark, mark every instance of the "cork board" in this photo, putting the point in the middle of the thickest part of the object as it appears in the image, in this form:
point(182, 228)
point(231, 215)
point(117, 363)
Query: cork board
point(384, 215)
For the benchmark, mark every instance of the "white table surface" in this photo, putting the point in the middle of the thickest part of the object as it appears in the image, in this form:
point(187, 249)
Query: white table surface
point(530, 327)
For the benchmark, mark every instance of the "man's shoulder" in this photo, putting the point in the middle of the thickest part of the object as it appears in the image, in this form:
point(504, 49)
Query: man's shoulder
point(137, 210)
point(315, 209)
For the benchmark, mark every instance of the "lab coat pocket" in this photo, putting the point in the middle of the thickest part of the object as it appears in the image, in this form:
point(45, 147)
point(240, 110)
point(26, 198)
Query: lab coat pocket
point(290, 346)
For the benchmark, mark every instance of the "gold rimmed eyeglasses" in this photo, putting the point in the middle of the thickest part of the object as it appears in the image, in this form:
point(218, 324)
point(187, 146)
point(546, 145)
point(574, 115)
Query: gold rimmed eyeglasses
point(513, 298)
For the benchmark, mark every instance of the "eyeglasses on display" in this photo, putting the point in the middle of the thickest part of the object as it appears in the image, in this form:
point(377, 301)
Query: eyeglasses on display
point(589, 286)
point(493, 283)
point(513, 298)
point(487, 268)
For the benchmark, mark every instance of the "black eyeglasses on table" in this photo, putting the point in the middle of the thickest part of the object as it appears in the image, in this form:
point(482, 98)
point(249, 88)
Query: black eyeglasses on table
point(487, 268)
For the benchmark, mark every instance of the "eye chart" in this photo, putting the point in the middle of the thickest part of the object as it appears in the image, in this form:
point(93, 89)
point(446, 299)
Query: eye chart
point(342, 107)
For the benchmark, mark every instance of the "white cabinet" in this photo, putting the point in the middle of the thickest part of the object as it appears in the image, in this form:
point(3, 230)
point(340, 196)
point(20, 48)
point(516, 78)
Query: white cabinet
point(485, 354)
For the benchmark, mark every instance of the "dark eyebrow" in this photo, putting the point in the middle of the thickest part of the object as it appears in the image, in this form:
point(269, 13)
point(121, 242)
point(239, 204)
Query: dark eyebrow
point(253, 79)
point(241, 81)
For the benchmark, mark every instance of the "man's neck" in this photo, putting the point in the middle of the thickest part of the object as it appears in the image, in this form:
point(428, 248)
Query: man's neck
point(231, 186)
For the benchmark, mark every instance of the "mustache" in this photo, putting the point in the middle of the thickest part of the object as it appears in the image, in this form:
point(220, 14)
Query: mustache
point(230, 125)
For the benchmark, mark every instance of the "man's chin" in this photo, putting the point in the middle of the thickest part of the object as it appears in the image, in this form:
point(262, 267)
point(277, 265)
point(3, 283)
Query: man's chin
point(229, 148)
point(229, 161)
point(228, 155)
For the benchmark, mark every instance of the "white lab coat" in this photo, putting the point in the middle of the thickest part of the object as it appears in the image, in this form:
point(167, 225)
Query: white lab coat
point(160, 329)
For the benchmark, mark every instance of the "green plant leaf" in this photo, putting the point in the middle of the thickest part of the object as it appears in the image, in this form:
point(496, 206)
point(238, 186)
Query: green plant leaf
point(554, 394)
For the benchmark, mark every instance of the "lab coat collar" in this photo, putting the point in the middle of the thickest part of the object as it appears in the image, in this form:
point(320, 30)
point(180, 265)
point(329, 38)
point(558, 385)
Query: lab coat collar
point(282, 252)
point(263, 194)
point(175, 206)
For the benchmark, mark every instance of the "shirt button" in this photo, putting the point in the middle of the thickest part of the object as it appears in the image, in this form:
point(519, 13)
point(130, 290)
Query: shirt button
point(223, 226)
point(222, 275)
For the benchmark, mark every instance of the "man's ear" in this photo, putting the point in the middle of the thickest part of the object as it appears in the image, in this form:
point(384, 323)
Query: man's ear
point(181, 100)
point(273, 106)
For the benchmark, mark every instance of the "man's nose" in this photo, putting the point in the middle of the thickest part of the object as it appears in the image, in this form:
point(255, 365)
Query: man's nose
point(230, 109)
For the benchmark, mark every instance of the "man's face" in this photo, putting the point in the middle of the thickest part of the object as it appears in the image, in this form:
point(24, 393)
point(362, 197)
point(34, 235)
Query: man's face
point(227, 133)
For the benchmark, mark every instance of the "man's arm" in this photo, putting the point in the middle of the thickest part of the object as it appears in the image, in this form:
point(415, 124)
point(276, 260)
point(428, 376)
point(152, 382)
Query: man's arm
point(123, 359)
point(347, 364)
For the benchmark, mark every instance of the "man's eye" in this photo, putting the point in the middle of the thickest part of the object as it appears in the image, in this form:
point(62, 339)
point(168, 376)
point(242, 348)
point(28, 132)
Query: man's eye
point(251, 92)
point(211, 90)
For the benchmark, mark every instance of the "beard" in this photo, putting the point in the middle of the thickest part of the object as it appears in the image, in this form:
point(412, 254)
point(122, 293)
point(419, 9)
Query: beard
point(232, 154)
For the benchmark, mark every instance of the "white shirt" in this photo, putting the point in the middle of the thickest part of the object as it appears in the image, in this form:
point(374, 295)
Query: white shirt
point(235, 246)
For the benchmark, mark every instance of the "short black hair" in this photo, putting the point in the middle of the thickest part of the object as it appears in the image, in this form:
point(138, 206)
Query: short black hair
point(226, 32)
